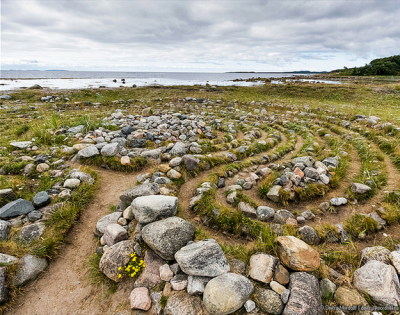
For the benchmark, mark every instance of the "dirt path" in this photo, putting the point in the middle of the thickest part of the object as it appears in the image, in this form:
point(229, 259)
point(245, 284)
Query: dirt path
point(64, 287)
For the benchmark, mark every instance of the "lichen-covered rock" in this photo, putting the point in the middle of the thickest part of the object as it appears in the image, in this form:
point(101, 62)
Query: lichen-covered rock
point(349, 297)
point(379, 281)
point(168, 236)
point(204, 258)
point(305, 296)
point(227, 293)
point(183, 303)
point(296, 254)
point(378, 253)
point(309, 235)
point(30, 267)
point(31, 232)
point(140, 299)
point(269, 301)
point(116, 256)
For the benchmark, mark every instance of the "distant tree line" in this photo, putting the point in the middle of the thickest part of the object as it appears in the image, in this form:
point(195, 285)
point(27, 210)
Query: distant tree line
point(381, 66)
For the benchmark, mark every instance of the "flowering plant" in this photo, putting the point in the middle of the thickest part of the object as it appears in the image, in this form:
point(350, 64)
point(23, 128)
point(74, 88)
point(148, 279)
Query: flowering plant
point(133, 268)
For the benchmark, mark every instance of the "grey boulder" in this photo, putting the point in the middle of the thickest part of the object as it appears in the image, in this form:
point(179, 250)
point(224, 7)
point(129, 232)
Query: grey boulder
point(151, 208)
point(265, 213)
point(30, 268)
point(379, 281)
point(204, 258)
point(168, 236)
point(227, 293)
point(31, 232)
point(16, 208)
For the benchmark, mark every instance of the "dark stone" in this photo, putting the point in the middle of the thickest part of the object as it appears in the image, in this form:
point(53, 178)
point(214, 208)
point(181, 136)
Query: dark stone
point(137, 143)
point(221, 182)
point(190, 162)
point(41, 199)
point(41, 158)
point(127, 130)
point(16, 208)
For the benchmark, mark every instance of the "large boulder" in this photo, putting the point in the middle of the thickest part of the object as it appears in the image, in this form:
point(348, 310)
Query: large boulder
point(379, 281)
point(41, 199)
point(105, 221)
point(305, 295)
point(296, 254)
point(151, 208)
point(227, 293)
point(88, 152)
point(168, 236)
point(204, 258)
point(16, 208)
point(182, 303)
point(116, 256)
point(30, 267)
point(262, 267)
point(138, 191)
point(269, 301)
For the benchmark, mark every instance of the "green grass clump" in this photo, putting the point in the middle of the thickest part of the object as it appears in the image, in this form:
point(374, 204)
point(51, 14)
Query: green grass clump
point(98, 278)
point(358, 224)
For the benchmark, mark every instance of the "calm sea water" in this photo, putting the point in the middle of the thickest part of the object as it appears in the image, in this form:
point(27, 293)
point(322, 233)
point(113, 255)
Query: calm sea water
point(12, 79)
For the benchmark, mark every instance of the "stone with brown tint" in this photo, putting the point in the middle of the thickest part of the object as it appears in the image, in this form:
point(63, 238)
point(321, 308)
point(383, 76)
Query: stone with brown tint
point(151, 273)
point(296, 254)
point(281, 275)
point(140, 299)
point(299, 172)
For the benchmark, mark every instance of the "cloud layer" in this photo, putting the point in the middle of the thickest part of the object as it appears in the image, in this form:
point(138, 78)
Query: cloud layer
point(186, 35)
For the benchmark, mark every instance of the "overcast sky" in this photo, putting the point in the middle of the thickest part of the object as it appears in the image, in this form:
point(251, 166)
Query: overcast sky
point(200, 36)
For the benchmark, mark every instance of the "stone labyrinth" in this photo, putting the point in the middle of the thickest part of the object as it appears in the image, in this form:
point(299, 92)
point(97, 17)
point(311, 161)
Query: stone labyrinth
point(237, 207)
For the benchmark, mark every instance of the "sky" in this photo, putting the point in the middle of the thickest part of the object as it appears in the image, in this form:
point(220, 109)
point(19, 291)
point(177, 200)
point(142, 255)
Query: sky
point(196, 36)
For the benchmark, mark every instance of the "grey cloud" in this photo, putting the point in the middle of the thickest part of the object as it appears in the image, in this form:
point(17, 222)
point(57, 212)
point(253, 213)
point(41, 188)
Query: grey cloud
point(277, 33)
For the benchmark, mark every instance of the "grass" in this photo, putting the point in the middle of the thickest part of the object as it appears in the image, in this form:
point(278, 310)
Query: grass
point(98, 278)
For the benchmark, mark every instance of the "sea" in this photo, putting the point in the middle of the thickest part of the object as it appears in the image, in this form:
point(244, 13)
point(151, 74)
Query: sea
point(59, 79)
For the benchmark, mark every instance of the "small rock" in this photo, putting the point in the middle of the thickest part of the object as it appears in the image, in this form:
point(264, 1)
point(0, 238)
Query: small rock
point(30, 267)
point(140, 299)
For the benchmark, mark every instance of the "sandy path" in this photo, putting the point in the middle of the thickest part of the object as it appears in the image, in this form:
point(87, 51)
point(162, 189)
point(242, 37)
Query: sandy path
point(64, 287)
